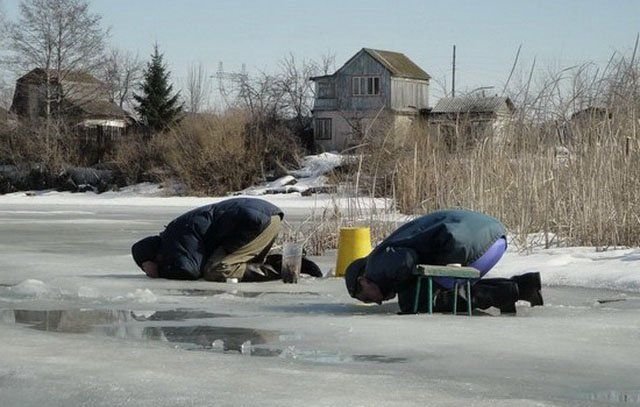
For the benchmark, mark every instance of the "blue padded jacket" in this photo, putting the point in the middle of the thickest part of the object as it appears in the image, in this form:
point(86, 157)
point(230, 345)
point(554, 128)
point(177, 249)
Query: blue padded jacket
point(440, 238)
point(189, 240)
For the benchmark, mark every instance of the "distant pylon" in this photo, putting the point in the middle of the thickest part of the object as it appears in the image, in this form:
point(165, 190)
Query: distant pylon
point(236, 79)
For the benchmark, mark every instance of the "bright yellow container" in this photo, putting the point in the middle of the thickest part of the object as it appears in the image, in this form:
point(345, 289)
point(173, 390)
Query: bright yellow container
point(353, 243)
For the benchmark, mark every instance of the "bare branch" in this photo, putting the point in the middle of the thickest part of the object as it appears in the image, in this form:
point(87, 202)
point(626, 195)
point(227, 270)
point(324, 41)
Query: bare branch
point(197, 88)
point(121, 72)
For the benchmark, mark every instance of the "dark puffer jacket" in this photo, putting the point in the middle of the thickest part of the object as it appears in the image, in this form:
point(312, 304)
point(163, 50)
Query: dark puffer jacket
point(442, 237)
point(188, 241)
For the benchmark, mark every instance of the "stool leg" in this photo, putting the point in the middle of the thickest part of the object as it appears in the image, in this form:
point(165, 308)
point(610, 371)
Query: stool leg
point(415, 300)
point(469, 297)
point(430, 306)
point(455, 298)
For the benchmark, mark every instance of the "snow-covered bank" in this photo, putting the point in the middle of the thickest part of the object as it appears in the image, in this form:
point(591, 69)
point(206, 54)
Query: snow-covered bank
point(577, 267)
point(153, 196)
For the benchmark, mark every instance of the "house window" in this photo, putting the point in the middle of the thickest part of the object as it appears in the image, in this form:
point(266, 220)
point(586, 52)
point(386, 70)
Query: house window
point(323, 129)
point(366, 85)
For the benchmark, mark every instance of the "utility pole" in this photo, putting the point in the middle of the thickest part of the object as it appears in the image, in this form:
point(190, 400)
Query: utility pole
point(453, 73)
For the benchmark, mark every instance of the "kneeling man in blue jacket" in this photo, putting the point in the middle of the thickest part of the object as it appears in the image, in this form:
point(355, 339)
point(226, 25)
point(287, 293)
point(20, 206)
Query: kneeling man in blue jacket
point(229, 239)
point(440, 238)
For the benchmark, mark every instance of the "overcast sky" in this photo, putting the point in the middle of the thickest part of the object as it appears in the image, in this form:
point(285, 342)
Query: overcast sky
point(558, 33)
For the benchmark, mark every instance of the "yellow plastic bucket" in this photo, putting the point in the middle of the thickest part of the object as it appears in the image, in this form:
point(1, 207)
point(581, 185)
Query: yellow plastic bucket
point(353, 243)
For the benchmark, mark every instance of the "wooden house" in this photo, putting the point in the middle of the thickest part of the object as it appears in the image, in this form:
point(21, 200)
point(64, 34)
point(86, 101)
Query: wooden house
point(77, 98)
point(372, 86)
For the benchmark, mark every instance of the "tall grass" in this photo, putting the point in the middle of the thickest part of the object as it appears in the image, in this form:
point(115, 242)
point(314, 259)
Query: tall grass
point(574, 182)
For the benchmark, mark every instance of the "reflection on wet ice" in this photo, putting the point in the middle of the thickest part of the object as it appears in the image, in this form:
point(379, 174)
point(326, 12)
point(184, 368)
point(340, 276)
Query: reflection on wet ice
point(144, 325)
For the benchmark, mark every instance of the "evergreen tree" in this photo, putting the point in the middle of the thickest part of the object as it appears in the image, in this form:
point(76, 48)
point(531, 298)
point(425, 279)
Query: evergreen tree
point(157, 107)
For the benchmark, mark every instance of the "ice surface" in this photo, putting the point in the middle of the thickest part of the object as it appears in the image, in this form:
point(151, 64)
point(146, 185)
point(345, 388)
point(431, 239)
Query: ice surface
point(81, 325)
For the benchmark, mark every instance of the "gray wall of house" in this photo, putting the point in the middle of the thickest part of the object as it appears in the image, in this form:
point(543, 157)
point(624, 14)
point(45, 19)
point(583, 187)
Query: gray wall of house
point(409, 95)
point(341, 131)
point(344, 107)
point(363, 65)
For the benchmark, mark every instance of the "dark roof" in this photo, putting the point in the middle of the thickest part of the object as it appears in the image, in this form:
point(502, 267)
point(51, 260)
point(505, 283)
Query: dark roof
point(595, 112)
point(313, 78)
point(101, 108)
point(38, 75)
point(398, 64)
point(472, 104)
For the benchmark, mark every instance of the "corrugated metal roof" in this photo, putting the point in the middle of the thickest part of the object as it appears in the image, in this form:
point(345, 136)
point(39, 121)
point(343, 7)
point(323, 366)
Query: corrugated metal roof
point(399, 64)
point(471, 104)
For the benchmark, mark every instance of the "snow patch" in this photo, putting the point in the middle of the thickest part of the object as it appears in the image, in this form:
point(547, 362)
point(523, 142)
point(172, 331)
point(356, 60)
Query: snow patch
point(31, 288)
point(140, 295)
point(88, 292)
point(311, 177)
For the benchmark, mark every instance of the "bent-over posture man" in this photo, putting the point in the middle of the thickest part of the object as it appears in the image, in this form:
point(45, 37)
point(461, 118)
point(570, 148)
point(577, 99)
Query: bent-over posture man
point(229, 239)
point(440, 238)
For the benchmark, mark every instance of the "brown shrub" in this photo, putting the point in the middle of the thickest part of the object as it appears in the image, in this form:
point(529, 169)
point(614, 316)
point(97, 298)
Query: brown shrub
point(216, 154)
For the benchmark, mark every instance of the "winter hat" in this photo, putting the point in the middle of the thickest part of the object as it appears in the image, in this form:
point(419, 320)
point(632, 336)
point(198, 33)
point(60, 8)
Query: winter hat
point(145, 249)
point(354, 270)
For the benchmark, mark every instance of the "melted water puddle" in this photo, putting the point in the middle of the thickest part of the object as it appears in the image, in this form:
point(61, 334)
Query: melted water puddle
point(192, 292)
point(169, 326)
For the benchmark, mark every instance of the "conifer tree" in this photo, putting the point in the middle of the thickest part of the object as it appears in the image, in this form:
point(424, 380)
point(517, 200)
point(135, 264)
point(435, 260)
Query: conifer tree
point(157, 107)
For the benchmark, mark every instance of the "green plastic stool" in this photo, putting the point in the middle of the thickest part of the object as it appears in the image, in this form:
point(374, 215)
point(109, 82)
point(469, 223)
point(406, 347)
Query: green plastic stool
point(427, 271)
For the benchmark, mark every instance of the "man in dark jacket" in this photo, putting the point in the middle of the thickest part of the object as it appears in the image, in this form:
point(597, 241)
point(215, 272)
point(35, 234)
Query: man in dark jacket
point(444, 237)
point(229, 239)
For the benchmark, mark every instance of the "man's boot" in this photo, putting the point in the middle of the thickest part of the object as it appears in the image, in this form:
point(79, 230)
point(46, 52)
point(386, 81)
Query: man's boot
point(258, 272)
point(529, 287)
point(499, 293)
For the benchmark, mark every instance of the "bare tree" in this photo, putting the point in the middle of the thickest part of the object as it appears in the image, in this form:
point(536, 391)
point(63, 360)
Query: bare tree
point(197, 88)
point(5, 88)
point(327, 63)
point(296, 88)
point(121, 73)
point(61, 37)
point(3, 25)
point(5, 94)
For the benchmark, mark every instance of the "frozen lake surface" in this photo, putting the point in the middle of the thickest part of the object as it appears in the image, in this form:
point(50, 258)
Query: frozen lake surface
point(81, 325)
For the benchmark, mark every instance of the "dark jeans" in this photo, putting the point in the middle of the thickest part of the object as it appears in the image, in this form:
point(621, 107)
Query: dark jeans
point(489, 292)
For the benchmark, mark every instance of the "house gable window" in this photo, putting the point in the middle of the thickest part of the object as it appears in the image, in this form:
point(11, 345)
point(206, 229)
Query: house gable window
point(365, 85)
point(323, 129)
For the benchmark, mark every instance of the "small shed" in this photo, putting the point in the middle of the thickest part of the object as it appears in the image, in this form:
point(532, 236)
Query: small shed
point(472, 117)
